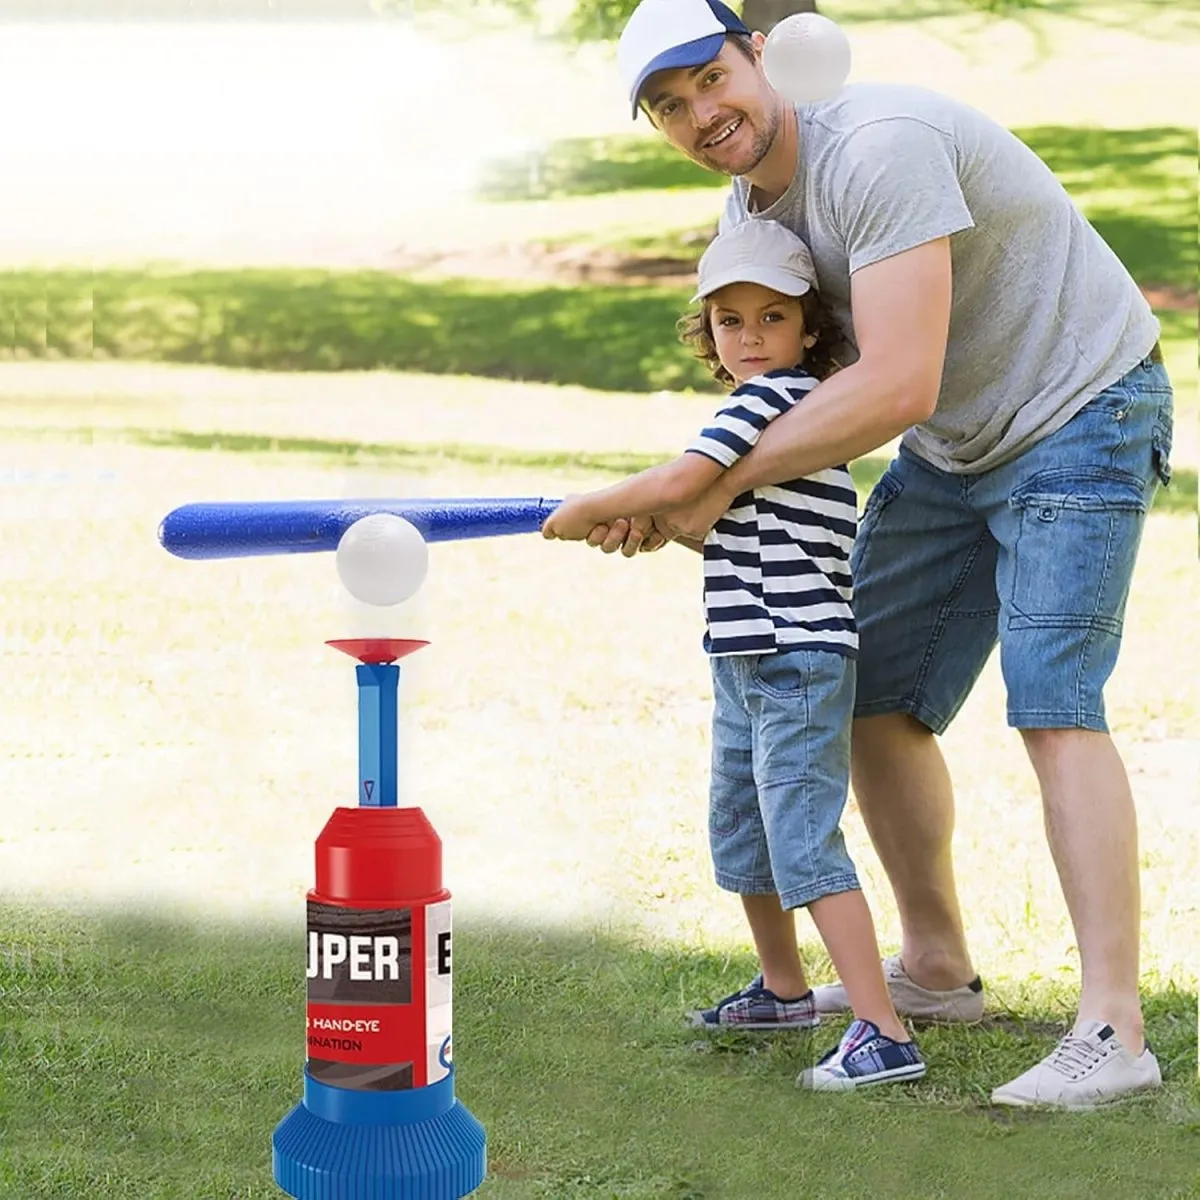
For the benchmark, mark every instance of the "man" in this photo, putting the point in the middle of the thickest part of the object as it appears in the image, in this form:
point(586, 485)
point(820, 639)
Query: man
point(990, 325)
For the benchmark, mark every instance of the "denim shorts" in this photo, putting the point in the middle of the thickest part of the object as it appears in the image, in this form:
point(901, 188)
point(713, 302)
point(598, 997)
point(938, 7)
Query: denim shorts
point(1036, 554)
point(780, 773)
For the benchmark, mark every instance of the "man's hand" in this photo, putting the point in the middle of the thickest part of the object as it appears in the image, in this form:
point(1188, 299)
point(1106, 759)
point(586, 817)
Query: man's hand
point(629, 536)
point(694, 522)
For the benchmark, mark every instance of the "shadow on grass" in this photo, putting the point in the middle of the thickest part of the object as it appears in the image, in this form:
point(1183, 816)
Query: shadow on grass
point(618, 337)
point(1136, 185)
point(1150, 18)
point(148, 1056)
point(611, 338)
point(590, 166)
point(418, 457)
point(1181, 496)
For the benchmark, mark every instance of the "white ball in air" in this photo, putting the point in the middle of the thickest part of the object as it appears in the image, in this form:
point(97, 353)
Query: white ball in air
point(382, 559)
point(806, 58)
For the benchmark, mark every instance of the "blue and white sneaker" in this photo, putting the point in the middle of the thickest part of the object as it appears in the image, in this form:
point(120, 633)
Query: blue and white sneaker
point(756, 1007)
point(863, 1057)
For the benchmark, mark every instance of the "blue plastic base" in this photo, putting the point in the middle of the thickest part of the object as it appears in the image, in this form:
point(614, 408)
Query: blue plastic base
point(372, 1150)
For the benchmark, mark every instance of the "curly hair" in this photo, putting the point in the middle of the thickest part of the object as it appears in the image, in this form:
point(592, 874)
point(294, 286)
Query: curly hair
point(695, 329)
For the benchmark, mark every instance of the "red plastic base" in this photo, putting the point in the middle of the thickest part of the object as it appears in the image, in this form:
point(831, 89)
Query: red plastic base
point(377, 650)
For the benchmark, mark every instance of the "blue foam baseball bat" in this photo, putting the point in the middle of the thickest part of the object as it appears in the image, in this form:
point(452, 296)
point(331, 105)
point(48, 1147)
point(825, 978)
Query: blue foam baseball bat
point(245, 529)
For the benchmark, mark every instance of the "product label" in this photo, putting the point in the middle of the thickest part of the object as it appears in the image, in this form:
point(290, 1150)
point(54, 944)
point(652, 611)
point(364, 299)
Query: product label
point(438, 991)
point(362, 1031)
point(359, 956)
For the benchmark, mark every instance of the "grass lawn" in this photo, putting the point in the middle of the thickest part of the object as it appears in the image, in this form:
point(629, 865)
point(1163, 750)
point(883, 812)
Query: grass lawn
point(177, 734)
point(153, 1058)
point(1138, 187)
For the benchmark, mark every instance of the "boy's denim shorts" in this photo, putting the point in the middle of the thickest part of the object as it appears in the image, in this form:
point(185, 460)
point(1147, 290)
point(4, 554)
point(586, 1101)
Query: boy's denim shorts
point(780, 773)
point(1036, 554)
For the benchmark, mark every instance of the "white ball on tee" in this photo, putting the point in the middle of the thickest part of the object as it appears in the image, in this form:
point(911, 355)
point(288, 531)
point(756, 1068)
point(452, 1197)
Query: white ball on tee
point(382, 559)
point(806, 58)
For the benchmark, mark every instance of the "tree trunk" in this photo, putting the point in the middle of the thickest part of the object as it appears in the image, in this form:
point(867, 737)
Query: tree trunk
point(763, 15)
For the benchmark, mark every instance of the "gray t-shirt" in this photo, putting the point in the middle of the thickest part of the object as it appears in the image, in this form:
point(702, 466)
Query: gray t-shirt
point(1044, 316)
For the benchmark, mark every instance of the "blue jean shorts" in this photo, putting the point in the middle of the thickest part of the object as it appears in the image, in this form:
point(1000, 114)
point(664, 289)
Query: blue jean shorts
point(1036, 554)
point(781, 773)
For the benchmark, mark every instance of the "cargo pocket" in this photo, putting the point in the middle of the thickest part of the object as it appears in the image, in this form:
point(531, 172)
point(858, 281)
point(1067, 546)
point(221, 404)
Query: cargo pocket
point(1077, 542)
point(722, 821)
point(1160, 443)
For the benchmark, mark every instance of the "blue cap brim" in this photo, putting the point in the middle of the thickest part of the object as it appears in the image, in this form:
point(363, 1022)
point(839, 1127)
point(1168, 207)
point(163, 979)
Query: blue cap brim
point(690, 54)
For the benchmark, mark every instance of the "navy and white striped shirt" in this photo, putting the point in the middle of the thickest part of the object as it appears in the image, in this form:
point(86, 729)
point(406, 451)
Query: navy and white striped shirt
point(777, 564)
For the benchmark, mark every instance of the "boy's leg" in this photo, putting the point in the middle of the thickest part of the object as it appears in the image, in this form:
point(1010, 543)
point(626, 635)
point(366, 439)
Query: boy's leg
point(774, 931)
point(779, 998)
point(843, 920)
point(803, 703)
point(1069, 515)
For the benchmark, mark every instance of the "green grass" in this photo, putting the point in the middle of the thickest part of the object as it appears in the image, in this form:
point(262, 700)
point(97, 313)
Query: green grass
point(417, 458)
point(610, 338)
point(154, 764)
point(1150, 18)
point(1137, 186)
point(150, 1057)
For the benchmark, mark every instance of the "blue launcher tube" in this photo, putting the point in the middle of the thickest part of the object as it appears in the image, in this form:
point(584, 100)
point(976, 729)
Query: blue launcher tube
point(379, 1119)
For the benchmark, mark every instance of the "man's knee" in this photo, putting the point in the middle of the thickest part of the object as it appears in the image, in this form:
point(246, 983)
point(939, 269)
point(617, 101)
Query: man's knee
point(1046, 746)
point(884, 741)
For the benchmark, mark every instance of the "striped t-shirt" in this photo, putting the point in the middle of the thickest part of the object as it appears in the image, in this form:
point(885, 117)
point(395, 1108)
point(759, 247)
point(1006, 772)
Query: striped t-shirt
point(777, 564)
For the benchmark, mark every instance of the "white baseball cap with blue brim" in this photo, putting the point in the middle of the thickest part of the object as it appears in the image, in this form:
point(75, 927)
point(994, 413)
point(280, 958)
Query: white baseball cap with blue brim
point(664, 35)
point(757, 251)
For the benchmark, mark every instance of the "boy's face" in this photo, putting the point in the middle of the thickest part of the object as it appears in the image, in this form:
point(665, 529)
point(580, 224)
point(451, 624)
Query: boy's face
point(722, 115)
point(756, 330)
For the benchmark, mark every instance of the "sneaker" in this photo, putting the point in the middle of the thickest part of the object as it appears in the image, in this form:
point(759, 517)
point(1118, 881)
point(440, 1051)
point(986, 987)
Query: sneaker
point(756, 1007)
point(864, 1056)
point(1088, 1068)
point(963, 1004)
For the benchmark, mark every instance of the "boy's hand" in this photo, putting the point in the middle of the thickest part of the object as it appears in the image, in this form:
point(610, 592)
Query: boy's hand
point(570, 521)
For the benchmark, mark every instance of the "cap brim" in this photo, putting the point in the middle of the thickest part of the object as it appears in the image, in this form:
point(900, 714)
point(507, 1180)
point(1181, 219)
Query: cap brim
point(783, 282)
point(690, 54)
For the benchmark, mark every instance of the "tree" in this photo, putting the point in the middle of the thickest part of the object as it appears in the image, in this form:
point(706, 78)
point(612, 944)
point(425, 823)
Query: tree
point(601, 20)
point(764, 15)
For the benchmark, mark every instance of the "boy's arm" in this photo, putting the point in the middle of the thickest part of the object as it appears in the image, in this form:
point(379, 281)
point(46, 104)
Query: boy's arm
point(731, 435)
point(658, 489)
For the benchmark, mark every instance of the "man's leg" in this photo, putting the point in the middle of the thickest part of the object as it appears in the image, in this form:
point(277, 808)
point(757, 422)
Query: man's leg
point(1068, 517)
point(925, 601)
point(907, 804)
point(1092, 828)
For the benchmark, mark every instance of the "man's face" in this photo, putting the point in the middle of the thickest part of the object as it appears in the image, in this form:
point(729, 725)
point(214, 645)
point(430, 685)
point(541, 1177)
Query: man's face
point(722, 115)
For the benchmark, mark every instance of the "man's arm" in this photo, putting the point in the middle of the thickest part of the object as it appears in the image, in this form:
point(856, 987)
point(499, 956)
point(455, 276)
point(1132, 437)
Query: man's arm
point(901, 308)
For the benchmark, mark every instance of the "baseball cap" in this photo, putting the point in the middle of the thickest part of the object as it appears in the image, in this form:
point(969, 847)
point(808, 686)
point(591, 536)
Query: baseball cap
point(757, 251)
point(662, 35)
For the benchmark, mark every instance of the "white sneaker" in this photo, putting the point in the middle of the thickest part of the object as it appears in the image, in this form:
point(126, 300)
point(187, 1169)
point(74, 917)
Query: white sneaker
point(963, 1004)
point(1089, 1067)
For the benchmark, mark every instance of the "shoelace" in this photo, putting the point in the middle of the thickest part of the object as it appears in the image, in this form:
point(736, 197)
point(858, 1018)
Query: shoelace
point(1073, 1054)
point(751, 989)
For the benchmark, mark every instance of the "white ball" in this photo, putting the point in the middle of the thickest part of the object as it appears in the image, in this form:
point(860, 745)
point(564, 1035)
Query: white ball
point(806, 58)
point(382, 559)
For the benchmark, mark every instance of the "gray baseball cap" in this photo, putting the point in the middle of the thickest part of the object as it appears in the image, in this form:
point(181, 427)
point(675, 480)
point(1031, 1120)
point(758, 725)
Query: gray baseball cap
point(757, 251)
